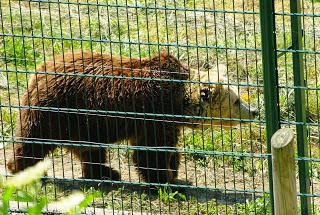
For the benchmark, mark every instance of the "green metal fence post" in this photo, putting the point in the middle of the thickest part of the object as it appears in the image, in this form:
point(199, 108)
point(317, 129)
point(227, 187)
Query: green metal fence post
point(300, 109)
point(270, 77)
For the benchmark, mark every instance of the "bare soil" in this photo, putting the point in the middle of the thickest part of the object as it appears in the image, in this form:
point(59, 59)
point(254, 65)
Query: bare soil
point(212, 181)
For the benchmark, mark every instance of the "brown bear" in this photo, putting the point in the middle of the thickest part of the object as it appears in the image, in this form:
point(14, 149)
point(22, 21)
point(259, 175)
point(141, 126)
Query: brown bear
point(97, 98)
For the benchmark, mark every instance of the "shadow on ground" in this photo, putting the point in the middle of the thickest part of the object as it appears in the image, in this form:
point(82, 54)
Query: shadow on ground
point(201, 194)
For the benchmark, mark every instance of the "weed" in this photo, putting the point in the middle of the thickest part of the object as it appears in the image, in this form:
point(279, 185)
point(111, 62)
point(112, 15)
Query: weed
point(258, 206)
point(25, 187)
point(167, 196)
point(7, 123)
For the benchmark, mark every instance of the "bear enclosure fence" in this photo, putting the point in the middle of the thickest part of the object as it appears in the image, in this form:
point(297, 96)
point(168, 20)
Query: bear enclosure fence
point(269, 51)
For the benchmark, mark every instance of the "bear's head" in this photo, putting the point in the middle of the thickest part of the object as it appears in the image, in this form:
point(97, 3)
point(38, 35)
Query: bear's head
point(213, 98)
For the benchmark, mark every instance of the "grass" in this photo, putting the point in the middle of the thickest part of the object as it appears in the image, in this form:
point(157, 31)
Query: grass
point(166, 195)
point(258, 206)
point(37, 31)
point(25, 188)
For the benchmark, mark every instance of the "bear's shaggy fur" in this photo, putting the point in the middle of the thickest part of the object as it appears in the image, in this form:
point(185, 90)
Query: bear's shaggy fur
point(57, 98)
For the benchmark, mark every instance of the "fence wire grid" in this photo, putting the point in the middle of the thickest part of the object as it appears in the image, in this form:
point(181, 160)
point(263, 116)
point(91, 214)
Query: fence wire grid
point(132, 98)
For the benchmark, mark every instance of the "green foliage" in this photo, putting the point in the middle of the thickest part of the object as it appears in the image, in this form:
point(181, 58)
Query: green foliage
point(167, 196)
point(19, 51)
point(256, 206)
point(7, 122)
point(26, 187)
point(315, 170)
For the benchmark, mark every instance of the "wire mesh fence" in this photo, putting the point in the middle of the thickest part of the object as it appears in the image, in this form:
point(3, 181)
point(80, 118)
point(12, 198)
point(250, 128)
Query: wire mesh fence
point(162, 106)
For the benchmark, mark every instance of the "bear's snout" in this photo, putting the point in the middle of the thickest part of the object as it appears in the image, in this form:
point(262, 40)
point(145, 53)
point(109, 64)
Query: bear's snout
point(254, 112)
point(247, 112)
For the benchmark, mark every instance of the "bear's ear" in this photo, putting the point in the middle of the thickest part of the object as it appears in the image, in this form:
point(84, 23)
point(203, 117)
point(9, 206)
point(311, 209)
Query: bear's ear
point(217, 90)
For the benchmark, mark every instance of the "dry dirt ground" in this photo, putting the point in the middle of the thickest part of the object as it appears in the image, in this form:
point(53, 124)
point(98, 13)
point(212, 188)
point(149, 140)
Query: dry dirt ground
point(190, 173)
point(211, 175)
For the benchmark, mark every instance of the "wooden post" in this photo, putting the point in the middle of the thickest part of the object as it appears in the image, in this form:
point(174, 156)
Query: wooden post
point(284, 173)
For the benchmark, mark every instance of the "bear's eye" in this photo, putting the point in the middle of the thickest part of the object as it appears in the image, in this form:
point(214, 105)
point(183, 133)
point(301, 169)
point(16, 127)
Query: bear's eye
point(204, 95)
point(237, 102)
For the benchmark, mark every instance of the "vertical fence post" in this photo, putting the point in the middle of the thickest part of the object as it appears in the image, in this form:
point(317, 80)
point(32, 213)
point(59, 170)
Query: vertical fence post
point(270, 77)
point(300, 109)
point(284, 173)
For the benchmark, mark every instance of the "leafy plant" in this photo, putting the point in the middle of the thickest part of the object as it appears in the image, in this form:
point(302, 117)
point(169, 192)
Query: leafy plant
point(26, 187)
point(166, 195)
point(257, 206)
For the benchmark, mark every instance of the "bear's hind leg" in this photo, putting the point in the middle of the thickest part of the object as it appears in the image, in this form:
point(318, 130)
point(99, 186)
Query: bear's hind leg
point(154, 163)
point(28, 154)
point(153, 166)
point(175, 163)
point(93, 164)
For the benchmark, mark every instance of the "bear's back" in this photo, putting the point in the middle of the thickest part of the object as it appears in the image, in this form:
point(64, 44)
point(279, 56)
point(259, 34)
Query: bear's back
point(100, 81)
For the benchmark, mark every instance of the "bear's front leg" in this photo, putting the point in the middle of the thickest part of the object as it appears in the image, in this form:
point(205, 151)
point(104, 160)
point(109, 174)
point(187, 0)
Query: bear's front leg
point(93, 164)
point(157, 160)
point(155, 166)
